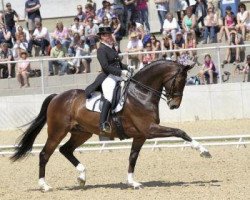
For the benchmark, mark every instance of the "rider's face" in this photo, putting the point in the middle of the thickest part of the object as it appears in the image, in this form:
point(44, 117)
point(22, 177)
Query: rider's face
point(107, 38)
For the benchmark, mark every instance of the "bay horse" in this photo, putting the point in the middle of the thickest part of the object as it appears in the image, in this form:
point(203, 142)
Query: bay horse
point(66, 112)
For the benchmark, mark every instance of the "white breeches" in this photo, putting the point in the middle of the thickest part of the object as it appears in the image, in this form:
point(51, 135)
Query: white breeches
point(108, 86)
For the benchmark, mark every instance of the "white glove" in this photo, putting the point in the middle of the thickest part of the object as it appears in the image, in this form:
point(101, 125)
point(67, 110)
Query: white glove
point(125, 75)
point(131, 67)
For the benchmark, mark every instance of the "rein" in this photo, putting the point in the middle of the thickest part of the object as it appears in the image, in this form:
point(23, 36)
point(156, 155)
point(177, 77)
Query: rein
point(168, 95)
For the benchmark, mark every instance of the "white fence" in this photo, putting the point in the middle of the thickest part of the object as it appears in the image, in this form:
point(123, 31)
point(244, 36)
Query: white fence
point(153, 144)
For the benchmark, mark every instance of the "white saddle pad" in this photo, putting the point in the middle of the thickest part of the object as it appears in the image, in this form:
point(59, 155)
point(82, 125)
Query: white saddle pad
point(93, 103)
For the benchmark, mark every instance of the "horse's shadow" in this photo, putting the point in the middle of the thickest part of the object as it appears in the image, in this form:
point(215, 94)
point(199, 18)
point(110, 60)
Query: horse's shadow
point(149, 184)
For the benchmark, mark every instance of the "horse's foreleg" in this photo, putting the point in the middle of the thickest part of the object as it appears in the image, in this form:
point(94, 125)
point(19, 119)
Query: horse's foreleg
point(135, 150)
point(76, 139)
point(156, 131)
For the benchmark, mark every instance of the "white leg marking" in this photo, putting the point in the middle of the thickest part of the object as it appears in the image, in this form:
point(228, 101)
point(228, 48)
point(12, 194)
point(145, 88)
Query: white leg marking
point(132, 183)
point(203, 151)
point(43, 185)
point(82, 177)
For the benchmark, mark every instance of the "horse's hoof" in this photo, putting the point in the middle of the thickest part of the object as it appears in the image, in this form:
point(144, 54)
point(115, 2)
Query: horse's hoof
point(206, 154)
point(135, 185)
point(81, 182)
point(46, 188)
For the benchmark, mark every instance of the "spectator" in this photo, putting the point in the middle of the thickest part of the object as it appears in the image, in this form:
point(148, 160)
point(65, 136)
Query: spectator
point(155, 45)
point(200, 13)
point(32, 7)
point(179, 43)
point(234, 54)
point(5, 55)
point(39, 38)
point(9, 20)
point(170, 26)
point(58, 51)
point(129, 6)
point(80, 14)
point(142, 11)
point(148, 57)
point(135, 45)
point(246, 69)
point(91, 37)
point(61, 33)
point(118, 10)
point(77, 27)
point(116, 29)
point(189, 22)
point(74, 43)
point(93, 4)
point(89, 11)
point(229, 23)
point(243, 20)
point(82, 49)
point(167, 44)
point(104, 11)
point(162, 9)
point(105, 22)
point(189, 44)
point(22, 34)
point(136, 27)
point(5, 36)
point(23, 70)
point(21, 45)
point(180, 6)
point(210, 22)
point(208, 70)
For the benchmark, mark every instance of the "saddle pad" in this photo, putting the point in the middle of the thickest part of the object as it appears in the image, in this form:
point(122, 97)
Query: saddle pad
point(93, 103)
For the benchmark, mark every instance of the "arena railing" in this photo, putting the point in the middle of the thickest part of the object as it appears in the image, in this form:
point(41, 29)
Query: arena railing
point(214, 48)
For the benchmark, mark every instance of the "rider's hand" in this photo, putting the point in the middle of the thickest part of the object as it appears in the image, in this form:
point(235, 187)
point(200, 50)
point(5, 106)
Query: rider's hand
point(125, 75)
point(131, 67)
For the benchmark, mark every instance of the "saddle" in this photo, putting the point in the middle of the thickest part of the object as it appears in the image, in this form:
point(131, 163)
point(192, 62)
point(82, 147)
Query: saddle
point(95, 102)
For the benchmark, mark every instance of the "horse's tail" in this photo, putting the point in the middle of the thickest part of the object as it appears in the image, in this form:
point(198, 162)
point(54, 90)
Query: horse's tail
point(27, 139)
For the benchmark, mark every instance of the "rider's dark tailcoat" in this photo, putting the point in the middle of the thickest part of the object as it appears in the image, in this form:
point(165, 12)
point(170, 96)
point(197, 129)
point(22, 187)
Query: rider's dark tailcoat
point(110, 63)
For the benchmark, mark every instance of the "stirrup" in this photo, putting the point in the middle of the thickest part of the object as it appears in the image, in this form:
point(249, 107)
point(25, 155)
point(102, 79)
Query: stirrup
point(105, 128)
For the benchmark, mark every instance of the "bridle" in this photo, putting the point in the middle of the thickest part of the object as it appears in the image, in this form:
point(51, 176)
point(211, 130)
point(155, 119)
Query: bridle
point(167, 94)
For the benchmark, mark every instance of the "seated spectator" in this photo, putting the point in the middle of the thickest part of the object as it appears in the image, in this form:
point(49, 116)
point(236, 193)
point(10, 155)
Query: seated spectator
point(104, 11)
point(116, 28)
point(135, 45)
point(155, 45)
point(22, 34)
point(190, 43)
point(243, 20)
point(210, 22)
point(200, 13)
point(89, 11)
point(32, 8)
point(179, 44)
point(74, 43)
point(77, 27)
point(39, 38)
point(91, 37)
point(167, 44)
point(23, 70)
point(61, 33)
point(208, 70)
point(229, 23)
point(20, 46)
point(136, 27)
point(5, 55)
point(234, 54)
point(82, 49)
point(9, 15)
point(58, 51)
point(148, 57)
point(5, 36)
point(105, 22)
point(189, 22)
point(170, 26)
point(80, 14)
point(93, 4)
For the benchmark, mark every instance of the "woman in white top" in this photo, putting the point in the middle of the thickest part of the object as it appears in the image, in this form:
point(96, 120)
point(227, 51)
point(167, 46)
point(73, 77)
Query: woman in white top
point(170, 26)
point(243, 20)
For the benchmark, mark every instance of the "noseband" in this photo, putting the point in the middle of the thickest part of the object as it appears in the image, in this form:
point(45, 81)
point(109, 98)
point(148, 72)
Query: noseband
point(169, 95)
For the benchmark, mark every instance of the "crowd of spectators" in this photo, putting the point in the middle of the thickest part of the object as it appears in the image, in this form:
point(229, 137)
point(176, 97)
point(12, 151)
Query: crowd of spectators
point(183, 24)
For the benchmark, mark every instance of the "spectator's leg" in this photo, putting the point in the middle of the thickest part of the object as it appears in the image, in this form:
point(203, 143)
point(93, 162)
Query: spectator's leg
point(63, 65)
point(71, 51)
point(173, 34)
point(205, 35)
point(210, 72)
point(212, 34)
point(202, 77)
point(30, 45)
point(51, 71)
point(237, 56)
point(243, 31)
point(25, 76)
point(144, 18)
point(20, 80)
point(9, 70)
point(129, 15)
point(227, 33)
point(66, 43)
point(222, 31)
point(85, 65)
point(44, 43)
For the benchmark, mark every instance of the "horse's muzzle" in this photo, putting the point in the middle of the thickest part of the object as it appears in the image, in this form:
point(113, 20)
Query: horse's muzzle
point(172, 104)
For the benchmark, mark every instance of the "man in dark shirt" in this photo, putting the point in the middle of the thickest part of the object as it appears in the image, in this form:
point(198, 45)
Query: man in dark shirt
point(9, 15)
point(32, 9)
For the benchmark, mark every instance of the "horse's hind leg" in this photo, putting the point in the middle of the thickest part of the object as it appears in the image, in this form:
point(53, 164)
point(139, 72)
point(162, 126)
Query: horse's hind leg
point(161, 131)
point(76, 139)
point(50, 146)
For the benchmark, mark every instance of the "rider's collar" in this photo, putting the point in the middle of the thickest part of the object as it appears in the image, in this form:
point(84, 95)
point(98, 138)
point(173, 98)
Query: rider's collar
point(110, 46)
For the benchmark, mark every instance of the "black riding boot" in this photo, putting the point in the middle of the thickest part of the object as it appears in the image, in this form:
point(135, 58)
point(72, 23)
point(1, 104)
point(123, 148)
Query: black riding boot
point(104, 125)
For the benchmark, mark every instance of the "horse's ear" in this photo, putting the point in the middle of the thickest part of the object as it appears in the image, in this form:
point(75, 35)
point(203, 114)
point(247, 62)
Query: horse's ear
point(189, 66)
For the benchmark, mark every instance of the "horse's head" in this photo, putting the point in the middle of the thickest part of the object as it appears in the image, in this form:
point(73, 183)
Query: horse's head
point(174, 84)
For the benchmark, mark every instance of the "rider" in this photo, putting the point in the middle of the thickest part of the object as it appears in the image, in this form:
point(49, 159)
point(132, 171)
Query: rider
point(112, 71)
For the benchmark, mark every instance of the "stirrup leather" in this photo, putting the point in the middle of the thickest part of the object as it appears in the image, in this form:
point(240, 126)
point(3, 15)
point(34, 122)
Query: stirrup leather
point(106, 127)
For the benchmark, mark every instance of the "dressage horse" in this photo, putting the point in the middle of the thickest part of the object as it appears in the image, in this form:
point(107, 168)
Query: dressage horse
point(66, 112)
